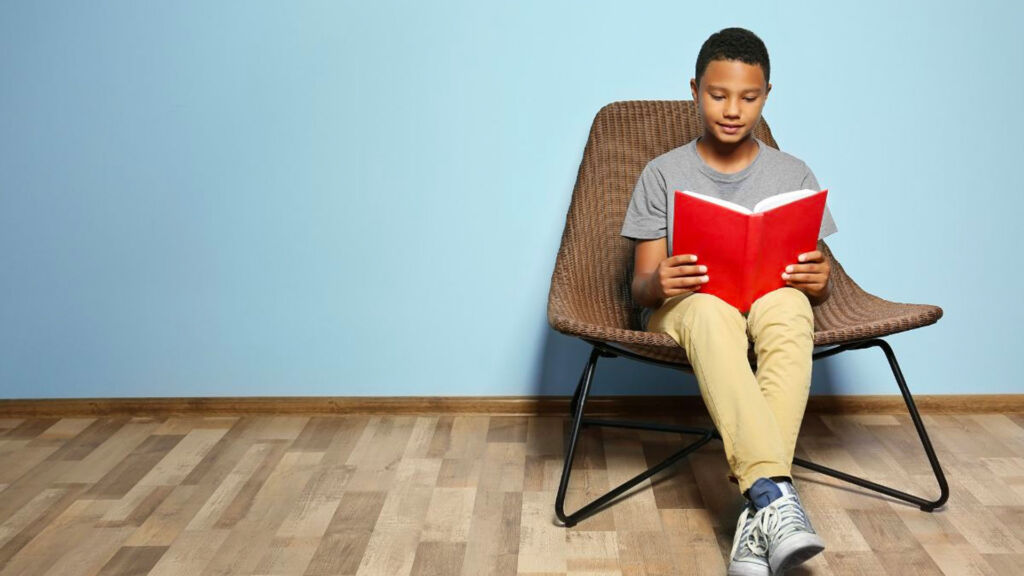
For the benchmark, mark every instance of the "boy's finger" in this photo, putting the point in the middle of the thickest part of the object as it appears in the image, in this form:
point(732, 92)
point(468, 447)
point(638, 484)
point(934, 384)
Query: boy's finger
point(810, 256)
point(688, 281)
point(804, 269)
point(688, 270)
point(802, 278)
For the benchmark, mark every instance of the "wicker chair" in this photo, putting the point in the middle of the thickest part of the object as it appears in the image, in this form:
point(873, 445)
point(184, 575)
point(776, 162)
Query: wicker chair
point(590, 293)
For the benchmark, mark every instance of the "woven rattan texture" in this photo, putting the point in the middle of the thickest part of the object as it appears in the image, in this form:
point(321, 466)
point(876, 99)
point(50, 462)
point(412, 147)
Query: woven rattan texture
point(590, 286)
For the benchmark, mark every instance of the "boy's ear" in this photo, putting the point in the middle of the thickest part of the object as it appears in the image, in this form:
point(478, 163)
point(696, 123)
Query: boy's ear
point(693, 89)
point(768, 90)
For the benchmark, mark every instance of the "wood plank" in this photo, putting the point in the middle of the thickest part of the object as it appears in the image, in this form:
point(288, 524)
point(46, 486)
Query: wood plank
point(209, 516)
point(438, 558)
point(344, 542)
point(392, 546)
point(312, 513)
point(29, 513)
point(67, 428)
point(493, 545)
point(542, 544)
point(55, 539)
point(592, 552)
point(448, 515)
point(88, 554)
point(894, 545)
point(96, 433)
point(252, 535)
point(127, 473)
point(133, 561)
point(691, 538)
point(53, 519)
point(112, 452)
point(168, 520)
point(190, 553)
point(286, 556)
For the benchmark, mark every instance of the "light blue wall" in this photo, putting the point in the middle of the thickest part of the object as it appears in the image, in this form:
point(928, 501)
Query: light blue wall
point(366, 198)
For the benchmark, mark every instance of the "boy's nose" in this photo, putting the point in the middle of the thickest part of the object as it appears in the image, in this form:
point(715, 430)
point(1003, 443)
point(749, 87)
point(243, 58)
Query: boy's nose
point(732, 108)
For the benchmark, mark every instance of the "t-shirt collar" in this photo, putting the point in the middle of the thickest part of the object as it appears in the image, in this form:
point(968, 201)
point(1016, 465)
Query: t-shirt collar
point(722, 176)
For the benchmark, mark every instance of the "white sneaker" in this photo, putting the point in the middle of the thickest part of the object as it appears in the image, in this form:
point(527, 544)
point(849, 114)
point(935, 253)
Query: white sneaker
point(749, 556)
point(790, 537)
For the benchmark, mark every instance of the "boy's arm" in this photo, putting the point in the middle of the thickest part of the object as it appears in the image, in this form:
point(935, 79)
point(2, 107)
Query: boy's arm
point(657, 276)
point(647, 255)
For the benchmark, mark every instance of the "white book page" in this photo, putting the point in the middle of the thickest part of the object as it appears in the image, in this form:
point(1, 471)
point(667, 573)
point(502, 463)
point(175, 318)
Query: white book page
point(782, 199)
point(723, 203)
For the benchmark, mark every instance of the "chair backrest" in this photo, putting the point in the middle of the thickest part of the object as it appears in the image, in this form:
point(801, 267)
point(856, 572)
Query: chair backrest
point(594, 267)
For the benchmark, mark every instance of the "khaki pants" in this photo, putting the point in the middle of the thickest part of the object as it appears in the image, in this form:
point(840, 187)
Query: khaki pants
point(758, 415)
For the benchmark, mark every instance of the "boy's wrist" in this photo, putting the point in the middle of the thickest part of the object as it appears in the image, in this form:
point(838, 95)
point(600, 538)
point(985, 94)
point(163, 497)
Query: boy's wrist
point(822, 296)
point(650, 300)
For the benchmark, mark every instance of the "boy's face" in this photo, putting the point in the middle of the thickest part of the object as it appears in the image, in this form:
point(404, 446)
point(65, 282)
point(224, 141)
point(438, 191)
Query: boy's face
point(730, 98)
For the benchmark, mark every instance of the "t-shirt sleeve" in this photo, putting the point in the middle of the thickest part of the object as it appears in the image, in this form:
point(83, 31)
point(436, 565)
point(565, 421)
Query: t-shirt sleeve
point(646, 215)
point(828, 226)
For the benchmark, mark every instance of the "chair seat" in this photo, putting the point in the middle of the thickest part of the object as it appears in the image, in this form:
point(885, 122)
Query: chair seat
point(869, 319)
point(862, 317)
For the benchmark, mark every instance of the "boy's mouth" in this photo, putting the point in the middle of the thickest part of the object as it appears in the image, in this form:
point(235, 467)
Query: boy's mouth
point(730, 128)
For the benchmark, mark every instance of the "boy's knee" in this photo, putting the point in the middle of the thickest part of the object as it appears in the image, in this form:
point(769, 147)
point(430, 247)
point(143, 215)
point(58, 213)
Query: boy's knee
point(786, 304)
point(708, 310)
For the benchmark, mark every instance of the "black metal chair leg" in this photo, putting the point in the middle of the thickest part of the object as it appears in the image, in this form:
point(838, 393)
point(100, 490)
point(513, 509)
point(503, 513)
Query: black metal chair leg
point(574, 405)
point(577, 408)
point(926, 505)
point(594, 354)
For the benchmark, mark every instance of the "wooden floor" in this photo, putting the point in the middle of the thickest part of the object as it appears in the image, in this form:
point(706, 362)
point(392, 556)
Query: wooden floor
point(473, 495)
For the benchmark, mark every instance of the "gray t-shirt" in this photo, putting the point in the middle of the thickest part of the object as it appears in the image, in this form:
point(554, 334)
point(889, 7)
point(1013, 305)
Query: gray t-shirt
point(651, 209)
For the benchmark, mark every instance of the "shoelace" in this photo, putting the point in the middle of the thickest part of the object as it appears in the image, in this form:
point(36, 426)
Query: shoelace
point(754, 541)
point(780, 519)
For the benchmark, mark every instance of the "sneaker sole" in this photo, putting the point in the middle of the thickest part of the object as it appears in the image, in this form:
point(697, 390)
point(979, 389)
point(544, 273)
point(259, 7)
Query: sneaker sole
point(795, 551)
point(748, 569)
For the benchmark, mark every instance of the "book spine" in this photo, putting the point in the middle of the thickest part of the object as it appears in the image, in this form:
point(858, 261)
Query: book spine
point(752, 258)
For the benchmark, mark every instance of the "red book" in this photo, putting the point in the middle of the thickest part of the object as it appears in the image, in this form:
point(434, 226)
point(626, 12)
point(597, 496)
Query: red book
point(746, 251)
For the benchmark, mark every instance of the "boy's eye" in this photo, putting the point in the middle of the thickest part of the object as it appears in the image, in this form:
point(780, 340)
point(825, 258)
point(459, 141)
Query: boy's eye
point(717, 97)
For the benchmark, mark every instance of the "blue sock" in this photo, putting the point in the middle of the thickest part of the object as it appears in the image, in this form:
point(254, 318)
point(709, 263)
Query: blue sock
point(764, 491)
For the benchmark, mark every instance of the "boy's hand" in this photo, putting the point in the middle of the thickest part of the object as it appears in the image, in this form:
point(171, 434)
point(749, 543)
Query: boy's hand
point(676, 275)
point(810, 276)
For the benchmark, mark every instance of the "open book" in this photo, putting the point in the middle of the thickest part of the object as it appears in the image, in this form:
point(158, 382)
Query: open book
point(746, 251)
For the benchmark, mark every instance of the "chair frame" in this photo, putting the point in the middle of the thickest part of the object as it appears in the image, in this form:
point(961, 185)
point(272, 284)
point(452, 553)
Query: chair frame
point(705, 435)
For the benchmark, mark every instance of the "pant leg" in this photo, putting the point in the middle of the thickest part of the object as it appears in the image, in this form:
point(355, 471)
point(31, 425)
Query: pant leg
point(714, 335)
point(781, 324)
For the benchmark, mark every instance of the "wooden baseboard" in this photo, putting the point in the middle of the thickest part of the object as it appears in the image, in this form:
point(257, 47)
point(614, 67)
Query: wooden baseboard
point(519, 405)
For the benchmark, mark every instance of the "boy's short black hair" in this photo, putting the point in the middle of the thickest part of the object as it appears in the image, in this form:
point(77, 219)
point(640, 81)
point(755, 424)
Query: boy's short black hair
point(733, 44)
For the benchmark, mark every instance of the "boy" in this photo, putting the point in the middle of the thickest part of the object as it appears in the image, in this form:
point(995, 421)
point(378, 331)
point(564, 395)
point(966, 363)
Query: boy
point(759, 415)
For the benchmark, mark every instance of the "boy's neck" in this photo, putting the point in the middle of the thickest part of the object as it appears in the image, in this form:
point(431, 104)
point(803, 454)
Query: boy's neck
point(727, 157)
